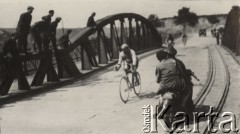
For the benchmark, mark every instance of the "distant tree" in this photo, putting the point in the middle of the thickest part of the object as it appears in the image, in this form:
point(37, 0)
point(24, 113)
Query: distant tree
point(213, 19)
point(155, 21)
point(185, 17)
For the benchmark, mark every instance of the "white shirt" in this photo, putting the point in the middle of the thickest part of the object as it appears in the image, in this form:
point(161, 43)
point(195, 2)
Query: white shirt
point(123, 57)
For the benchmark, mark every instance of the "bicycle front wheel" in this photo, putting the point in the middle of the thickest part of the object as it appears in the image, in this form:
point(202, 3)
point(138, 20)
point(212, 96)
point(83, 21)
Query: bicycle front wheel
point(124, 90)
point(137, 84)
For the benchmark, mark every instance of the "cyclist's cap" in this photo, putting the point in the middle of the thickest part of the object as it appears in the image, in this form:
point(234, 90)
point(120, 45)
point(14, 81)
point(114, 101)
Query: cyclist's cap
point(124, 46)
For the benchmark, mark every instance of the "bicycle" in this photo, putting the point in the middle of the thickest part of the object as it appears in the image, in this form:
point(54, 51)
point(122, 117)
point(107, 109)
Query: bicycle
point(126, 85)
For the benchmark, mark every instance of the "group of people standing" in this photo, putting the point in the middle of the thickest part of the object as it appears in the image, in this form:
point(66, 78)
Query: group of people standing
point(43, 32)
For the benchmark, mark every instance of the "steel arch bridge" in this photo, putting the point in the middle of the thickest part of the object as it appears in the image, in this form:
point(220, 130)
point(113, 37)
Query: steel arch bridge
point(90, 48)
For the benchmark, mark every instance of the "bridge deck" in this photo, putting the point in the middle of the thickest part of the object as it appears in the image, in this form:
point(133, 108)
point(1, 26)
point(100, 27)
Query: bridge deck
point(93, 105)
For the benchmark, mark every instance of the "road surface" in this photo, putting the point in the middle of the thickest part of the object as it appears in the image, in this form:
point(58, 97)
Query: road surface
point(93, 105)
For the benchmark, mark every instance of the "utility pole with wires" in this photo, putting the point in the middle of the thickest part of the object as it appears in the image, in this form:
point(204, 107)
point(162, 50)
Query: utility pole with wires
point(63, 27)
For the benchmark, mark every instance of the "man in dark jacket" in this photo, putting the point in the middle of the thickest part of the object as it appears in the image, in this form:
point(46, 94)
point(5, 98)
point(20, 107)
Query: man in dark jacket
point(49, 17)
point(52, 30)
point(23, 28)
point(46, 33)
point(64, 40)
point(36, 30)
point(185, 74)
point(91, 22)
point(13, 66)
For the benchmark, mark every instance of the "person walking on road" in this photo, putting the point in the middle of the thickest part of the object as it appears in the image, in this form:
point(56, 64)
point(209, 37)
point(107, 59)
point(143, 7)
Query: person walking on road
point(217, 37)
point(184, 39)
point(23, 29)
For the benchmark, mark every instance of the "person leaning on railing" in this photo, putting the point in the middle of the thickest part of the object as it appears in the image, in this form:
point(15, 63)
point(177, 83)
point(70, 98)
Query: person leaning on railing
point(64, 40)
point(36, 31)
point(52, 32)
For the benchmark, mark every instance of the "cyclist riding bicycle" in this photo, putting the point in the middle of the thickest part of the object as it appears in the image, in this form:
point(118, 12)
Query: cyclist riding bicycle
point(127, 59)
point(170, 40)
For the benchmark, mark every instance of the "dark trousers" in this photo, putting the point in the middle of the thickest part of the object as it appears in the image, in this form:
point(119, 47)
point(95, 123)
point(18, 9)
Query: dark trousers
point(217, 41)
point(54, 44)
point(22, 43)
point(13, 70)
point(37, 41)
point(45, 41)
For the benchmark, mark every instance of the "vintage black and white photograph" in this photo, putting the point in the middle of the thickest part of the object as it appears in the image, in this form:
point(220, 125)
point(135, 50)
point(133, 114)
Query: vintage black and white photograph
point(119, 66)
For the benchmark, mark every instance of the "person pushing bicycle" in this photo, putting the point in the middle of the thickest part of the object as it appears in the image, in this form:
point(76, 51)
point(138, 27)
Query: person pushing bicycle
point(127, 59)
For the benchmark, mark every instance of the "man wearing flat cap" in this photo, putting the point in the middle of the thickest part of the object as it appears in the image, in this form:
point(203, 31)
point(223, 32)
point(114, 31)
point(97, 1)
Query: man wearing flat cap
point(46, 34)
point(37, 30)
point(23, 28)
point(52, 31)
point(49, 16)
point(13, 66)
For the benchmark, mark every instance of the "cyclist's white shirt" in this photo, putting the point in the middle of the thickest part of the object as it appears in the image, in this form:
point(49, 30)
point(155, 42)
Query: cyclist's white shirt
point(122, 58)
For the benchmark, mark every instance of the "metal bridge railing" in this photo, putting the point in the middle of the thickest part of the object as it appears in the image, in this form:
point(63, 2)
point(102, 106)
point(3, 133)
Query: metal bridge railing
point(90, 48)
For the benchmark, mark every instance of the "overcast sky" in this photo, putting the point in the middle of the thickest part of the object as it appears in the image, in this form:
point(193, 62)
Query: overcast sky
point(76, 12)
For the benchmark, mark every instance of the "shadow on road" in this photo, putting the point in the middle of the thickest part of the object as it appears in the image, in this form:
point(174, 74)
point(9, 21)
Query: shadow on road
point(142, 96)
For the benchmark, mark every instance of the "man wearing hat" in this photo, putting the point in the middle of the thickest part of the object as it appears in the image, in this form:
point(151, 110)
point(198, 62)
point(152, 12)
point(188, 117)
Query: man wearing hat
point(127, 58)
point(37, 30)
point(52, 31)
point(185, 74)
point(167, 72)
point(13, 66)
point(49, 16)
point(23, 28)
point(46, 33)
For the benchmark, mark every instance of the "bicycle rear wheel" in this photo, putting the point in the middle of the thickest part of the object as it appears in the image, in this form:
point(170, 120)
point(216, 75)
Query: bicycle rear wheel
point(124, 90)
point(137, 84)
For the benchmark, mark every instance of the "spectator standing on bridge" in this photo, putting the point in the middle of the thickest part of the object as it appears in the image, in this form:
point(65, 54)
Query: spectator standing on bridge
point(36, 31)
point(64, 40)
point(46, 32)
point(23, 29)
point(91, 22)
point(13, 66)
point(49, 17)
point(52, 30)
